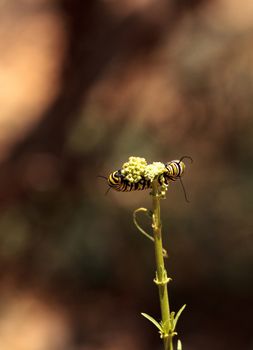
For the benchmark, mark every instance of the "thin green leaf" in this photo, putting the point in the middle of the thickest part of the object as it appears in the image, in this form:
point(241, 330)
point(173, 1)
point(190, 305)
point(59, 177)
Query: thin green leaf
point(171, 320)
point(151, 319)
point(178, 315)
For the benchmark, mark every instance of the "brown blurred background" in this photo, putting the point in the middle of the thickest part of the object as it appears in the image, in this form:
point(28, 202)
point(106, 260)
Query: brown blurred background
point(83, 86)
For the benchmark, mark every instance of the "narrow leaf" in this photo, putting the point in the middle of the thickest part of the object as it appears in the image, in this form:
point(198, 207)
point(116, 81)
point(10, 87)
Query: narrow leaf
point(151, 319)
point(178, 315)
point(172, 315)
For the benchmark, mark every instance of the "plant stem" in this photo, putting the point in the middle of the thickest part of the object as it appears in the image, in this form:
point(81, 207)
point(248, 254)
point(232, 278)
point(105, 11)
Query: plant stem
point(161, 274)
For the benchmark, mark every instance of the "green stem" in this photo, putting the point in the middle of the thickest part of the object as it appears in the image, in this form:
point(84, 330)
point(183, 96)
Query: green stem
point(161, 274)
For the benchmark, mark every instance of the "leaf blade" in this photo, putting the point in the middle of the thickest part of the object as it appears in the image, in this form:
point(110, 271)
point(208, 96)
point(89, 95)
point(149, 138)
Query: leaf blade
point(152, 320)
point(177, 316)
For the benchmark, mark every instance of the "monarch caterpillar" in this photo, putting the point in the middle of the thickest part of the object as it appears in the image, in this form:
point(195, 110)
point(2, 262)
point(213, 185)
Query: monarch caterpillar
point(173, 171)
point(118, 182)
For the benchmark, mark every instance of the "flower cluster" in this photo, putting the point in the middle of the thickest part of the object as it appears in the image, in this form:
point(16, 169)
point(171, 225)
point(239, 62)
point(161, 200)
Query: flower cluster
point(134, 169)
point(137, 168)
point(153, 170)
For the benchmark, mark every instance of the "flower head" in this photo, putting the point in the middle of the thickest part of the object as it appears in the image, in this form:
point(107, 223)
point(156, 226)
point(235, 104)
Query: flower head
point(133, 170)
point(153, 170)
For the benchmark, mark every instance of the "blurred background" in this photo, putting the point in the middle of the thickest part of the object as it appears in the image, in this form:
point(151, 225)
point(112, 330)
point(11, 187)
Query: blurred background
point(83, 86)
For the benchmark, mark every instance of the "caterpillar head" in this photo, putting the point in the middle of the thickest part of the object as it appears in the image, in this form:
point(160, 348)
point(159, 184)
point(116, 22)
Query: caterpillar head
point(115, 179)
point(175, 168)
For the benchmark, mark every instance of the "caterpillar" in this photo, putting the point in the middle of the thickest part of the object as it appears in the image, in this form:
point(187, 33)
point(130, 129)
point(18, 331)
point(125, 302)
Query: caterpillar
point(118, 182)
point(174, 171)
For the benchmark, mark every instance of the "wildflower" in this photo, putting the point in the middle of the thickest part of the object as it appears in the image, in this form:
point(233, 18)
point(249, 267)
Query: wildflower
point(133, 170)
point(153, 170)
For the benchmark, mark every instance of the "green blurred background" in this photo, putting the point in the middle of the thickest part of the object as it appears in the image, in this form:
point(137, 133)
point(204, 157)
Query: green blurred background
point(83, 86)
